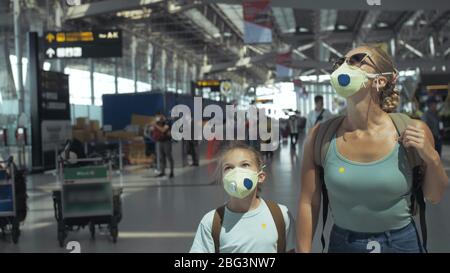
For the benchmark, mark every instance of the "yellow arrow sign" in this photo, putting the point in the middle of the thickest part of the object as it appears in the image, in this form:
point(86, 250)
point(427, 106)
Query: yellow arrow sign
point(50, 37)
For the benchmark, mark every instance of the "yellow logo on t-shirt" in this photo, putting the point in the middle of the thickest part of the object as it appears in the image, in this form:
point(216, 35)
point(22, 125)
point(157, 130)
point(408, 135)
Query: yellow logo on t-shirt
point(341, 170)
point(264, 226)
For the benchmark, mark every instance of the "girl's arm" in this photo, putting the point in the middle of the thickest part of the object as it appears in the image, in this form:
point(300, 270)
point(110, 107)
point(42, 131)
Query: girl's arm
point(420, 137)
point(310, 196)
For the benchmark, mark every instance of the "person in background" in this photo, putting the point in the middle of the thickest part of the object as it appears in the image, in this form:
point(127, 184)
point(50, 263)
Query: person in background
point(432, 119)
point(317, 115)
point(293, 130)
point(301, 124)
point(150, 145)
point(284, 129)
point(161, 133)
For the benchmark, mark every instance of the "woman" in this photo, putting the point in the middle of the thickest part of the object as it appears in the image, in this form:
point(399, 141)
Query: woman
point(364, 169)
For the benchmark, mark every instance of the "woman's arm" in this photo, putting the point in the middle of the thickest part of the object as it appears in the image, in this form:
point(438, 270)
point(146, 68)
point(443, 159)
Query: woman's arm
point(310, 196)
point(420, 137)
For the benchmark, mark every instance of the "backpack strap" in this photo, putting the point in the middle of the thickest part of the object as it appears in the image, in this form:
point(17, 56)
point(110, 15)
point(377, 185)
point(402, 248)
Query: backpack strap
point(325, 133)
point(278, 218)
point(217, 226)
point(401, 121)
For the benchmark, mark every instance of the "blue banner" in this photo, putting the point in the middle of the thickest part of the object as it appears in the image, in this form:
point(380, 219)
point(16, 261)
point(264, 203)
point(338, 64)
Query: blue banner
point(6, 198)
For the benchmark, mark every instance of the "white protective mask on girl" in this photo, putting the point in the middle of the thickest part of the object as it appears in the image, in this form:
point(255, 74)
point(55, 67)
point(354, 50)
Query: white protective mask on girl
point(240, 182)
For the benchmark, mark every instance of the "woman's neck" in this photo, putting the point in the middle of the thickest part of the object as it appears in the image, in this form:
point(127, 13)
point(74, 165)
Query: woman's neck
point(364, 114)
point(244, 205)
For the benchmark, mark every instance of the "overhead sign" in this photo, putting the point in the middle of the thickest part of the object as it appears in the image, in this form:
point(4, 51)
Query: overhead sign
point(223, 86)
point(264, 101)
point(82, 44)
point(208, 83)
point(257, 21)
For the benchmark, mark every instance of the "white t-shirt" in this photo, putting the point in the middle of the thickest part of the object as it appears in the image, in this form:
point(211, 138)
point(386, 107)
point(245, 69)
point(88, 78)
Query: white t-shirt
point(313, 115)
point(250, 232)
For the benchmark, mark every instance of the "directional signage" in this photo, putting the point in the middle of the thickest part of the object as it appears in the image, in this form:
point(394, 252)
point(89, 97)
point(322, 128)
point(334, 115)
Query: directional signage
point(82, 44)
point(54, 96)
point(223, 86)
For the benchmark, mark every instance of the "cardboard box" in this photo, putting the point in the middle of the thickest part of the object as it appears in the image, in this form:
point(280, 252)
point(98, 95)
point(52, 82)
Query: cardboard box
point(100, 136)
point(81, 135)
point(142, 122)
point(120, 135)
point(81, 123)
point(94, 125)
point(142, 160)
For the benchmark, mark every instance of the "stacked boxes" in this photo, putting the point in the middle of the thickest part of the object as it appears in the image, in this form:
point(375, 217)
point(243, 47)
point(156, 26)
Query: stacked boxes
point(86, 130)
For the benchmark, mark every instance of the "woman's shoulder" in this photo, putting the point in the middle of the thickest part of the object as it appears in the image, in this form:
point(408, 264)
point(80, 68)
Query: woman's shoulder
point(418, 123)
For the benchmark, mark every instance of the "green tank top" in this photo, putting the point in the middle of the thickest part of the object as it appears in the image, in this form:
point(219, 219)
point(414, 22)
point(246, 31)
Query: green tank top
point(369, 197)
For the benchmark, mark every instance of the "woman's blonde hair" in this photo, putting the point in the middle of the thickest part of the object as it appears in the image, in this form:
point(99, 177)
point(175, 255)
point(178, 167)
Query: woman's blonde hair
point(389, 96)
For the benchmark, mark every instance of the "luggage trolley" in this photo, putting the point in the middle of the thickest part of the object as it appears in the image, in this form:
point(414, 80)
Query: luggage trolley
point(86, 197)
point(9, 216)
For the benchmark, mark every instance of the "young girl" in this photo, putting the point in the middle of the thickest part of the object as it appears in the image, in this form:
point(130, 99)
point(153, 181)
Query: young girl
point(246, 223)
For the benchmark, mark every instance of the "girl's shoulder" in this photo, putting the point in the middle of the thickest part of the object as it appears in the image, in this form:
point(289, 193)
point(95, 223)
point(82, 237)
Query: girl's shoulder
point(283, 209)
point(208, 217)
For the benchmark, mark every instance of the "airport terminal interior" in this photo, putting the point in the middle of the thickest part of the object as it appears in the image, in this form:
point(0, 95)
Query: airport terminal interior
point(87, 85)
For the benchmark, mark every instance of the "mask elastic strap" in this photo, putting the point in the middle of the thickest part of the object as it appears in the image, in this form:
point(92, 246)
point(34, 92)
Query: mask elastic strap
point(375, 76)
point(262, 169)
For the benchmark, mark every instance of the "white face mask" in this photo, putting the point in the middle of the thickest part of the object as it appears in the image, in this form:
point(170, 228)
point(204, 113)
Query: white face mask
point(240, 182)
point(348, 80)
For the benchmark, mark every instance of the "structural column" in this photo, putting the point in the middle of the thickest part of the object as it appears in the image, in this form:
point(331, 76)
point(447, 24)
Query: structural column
point(91, 71)
point(18, 49)
point(185, 77)
point(150, 65)
point(116, 75)
point(134, 43)
point(175, 72)
point(163, 70)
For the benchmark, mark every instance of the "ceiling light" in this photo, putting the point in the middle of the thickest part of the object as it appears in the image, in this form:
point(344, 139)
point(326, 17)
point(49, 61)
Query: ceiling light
point(135, 14)
point(302, 29)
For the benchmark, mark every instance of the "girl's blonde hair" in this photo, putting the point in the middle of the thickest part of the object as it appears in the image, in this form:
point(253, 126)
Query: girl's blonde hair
point(238, 145)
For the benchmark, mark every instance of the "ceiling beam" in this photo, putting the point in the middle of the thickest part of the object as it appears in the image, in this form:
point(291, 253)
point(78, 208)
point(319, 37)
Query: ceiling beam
point(243, 62)
point(366, 26)
point(352, 4)
point(336, 37)
point(423, 64)
point(402, 19)
point(106, 6)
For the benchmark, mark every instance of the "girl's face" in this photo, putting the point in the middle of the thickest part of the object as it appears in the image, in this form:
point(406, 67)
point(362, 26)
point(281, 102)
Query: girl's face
point(239, 158)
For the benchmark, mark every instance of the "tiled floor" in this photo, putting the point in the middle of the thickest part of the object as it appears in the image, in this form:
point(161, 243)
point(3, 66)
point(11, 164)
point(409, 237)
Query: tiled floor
point(161, 215)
